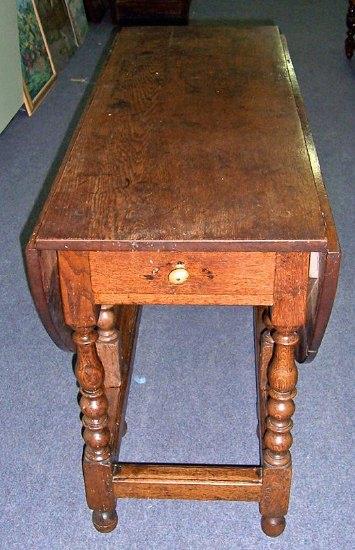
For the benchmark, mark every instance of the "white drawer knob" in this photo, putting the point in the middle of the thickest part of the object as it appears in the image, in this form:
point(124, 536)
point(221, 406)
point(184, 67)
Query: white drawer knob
point(178, 275)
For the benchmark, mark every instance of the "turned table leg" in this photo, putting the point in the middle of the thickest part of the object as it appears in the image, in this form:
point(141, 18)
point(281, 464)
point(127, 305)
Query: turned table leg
point(94, 406)
point(109, 349)
point(282, 378)
point(287, 316)
point(264, 345)
point(81, 314)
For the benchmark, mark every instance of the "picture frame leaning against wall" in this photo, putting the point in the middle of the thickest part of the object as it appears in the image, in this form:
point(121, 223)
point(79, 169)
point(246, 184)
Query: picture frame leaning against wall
point(38, 70)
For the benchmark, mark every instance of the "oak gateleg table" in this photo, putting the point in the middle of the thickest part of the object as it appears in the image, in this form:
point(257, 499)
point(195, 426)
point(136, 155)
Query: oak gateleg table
point(192, 178)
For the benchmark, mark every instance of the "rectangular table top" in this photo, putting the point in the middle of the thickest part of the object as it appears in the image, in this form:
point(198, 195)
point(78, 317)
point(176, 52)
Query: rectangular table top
point(192, 140)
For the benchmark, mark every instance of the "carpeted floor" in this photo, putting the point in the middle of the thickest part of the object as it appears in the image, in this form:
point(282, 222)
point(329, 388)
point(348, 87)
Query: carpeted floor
point(197, 402)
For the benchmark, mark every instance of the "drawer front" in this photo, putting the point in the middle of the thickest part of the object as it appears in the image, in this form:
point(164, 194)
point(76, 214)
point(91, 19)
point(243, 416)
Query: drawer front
point(244, 278)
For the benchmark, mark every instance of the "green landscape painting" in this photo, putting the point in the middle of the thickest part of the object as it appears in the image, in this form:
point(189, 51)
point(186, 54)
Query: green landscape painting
point(36, 65)
point(57, 28)
point(78, 19)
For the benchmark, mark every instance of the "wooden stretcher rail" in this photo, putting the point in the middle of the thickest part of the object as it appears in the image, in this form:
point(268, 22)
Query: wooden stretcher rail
point(187, 482)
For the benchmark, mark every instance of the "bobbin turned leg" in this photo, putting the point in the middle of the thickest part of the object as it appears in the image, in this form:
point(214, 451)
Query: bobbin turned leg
point(282, 378)
point(81, 313)
point(287, 315)
point(94, 405)
point(264, 346)
point(109, 349)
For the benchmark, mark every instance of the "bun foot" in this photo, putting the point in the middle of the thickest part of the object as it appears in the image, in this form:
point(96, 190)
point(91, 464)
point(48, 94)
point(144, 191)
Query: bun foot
point(273, 527)
point(105, 522)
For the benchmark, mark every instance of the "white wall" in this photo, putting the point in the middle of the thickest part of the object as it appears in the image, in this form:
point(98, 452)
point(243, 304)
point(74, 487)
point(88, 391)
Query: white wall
point(10, 65)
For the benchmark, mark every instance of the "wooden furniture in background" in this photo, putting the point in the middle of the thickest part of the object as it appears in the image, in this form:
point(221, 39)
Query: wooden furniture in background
point(191, 179)
point(95, 10)
point(150, 12)
point(350, 38)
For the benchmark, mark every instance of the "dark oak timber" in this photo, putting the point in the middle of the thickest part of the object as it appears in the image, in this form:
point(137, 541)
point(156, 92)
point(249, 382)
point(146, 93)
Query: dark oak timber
point(129, 317)
point(152, 12)
point(43, 279)
point(192, 178)
point(220, 278)
point(187, 482)
point(126, 182)
point(287, 316)
point(322, 288)
point(264, 347)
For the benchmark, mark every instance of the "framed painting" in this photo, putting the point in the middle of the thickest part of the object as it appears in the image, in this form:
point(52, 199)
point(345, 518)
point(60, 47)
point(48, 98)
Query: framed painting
point(58, 30)
point(37, 66)
point(78, 19)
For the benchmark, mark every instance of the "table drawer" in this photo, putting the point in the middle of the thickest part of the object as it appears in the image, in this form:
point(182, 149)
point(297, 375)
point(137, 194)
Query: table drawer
point(211, 277)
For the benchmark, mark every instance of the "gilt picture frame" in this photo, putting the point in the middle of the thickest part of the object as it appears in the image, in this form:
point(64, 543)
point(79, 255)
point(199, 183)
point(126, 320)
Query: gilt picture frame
point(58, 30)
point(78, 20)
point(38, 70)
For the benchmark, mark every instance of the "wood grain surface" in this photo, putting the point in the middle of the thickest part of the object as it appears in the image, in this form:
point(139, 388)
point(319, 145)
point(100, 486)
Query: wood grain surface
point(214, 277)
point(77, 298)
point(290, 290)
point(321, 306)
point(192, 141)
point(43, 280)
point(187, 482)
